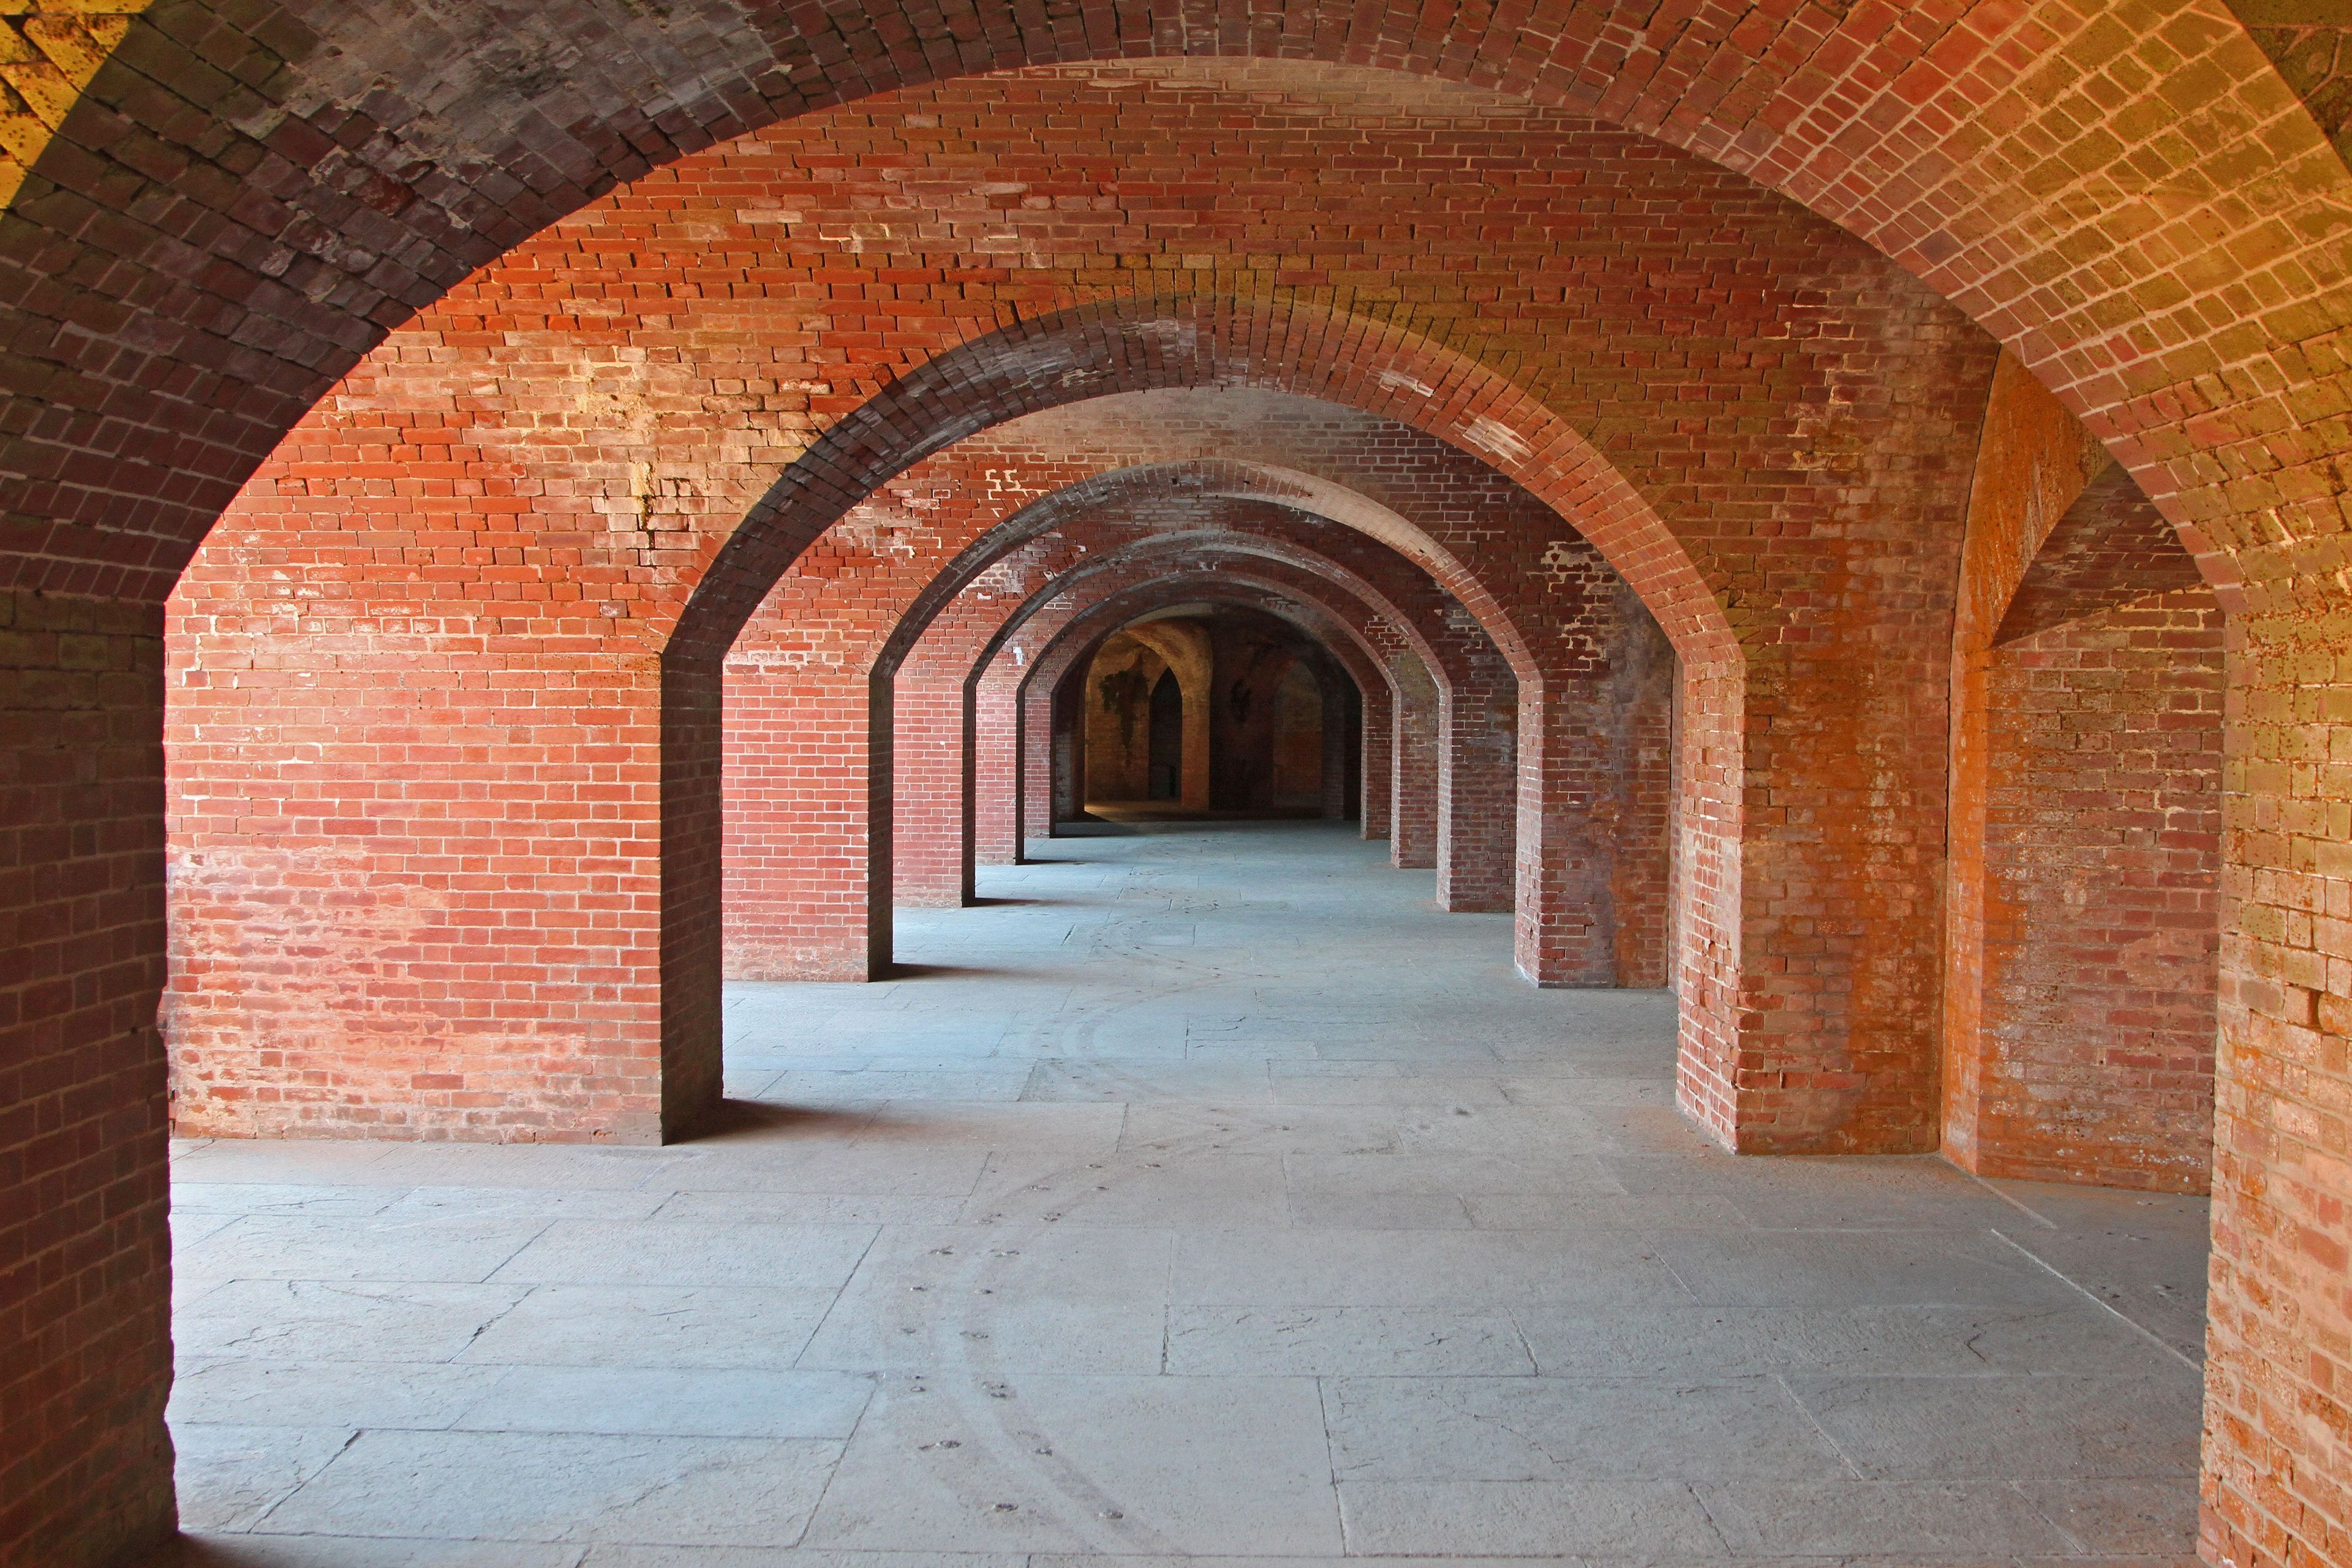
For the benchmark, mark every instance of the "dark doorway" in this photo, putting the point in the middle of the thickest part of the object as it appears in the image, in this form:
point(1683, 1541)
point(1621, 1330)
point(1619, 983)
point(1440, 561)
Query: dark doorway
point(1167, 754)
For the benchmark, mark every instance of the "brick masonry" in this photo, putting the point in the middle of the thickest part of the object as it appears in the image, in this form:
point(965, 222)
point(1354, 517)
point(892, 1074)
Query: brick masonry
point(231, 215)
point(2083, 911)
point(798, 793)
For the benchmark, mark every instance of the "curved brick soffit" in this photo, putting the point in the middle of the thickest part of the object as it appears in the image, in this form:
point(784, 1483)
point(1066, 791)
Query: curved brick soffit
point(1098, 621)
point(1209, 482)
point(315, 183)
point(1215, 547)
point(1139, 344)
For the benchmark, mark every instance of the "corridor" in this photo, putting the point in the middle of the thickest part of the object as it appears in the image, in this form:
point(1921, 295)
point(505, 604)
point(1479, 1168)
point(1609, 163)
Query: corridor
point(1200, 1194)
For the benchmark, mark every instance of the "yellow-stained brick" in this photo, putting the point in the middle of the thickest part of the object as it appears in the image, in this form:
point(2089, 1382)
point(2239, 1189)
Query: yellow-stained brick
point(22, 137)
point(44, 88)
point(69, 45)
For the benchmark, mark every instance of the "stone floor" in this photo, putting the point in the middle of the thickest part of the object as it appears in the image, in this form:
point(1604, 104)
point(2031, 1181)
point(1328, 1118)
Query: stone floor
point(1204, 1193)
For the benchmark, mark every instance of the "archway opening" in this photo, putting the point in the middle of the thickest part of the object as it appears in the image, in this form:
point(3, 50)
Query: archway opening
point(1165, 759)
point(1214, 711)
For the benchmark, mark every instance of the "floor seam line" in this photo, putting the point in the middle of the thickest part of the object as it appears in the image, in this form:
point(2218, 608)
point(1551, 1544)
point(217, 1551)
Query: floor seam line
point(2138, 1327)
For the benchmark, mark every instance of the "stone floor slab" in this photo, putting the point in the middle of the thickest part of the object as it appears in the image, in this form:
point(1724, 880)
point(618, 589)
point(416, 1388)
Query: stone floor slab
point(690, 1252)
point(1581, 1429)
point(1107, 1464)
point(1030, 1297)
point(1327, 1341)
point(711, 1326)
point(1618, 1520)
point(1320, 1234)
point(564, 1487)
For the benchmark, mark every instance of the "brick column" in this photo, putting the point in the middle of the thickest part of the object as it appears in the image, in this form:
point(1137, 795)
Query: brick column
point(1595, 807)
point(1413, 813)
point(84, 1257)
point(1338, 741)
point(996, 767)
point(1037, 764)
point(798, 789)
point(930, 798)
point(1478, 791)
point(1069, 747)
point(1375, 736)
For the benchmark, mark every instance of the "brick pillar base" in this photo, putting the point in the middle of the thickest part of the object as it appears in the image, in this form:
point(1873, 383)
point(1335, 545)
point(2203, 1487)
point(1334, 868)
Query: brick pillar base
point(1477, 809)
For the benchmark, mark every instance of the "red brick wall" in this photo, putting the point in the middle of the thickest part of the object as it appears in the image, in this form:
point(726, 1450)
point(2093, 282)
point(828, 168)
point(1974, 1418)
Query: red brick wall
point(84, 1260)
point(1571, 594)
point(1477, 788)
point(815, 614)
point(2102, 855)
point(826, 609)
point(1039, 809)
point(1376, 725)
point(2083, 916)
point(2279, 1312)
point(1413, 814)
point(799, 802)
point(1596, 798)
point(929, 796)
point(996, 767)
point(416, 879)
point(794, 907)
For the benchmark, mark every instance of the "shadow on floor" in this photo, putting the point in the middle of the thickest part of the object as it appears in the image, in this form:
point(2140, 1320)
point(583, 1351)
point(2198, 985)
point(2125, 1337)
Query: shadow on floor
point(749, 1120)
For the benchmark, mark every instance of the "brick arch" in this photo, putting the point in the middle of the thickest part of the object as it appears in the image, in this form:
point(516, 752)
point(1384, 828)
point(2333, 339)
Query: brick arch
point(1341, 603)
point(1399, 739)
point(801, 909)
point(388, 161)
point(953, 646)
point(1301, 604)
point(1099, 617)
point(1114, 346)
point(1203, 540)
point(1369, 664)
point(1217, 479)
point(1327, 624)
